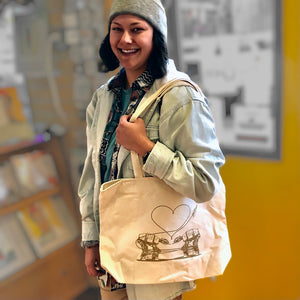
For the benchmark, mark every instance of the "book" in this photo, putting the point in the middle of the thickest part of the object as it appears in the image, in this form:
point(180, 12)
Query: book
point(8, 185)
point(15, 250)
point(48, 224)
point(43, 166)
point(35, 172)
point(13, 122)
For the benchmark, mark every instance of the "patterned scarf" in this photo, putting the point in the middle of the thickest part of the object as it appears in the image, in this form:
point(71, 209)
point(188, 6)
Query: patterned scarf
point(141, 85)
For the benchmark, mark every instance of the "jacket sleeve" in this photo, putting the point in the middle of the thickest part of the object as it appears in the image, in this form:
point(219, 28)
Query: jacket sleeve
point(187, 156)
point(87, 182)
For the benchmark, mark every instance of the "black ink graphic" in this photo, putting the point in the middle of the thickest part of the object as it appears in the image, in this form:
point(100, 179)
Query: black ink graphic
point(160, 246)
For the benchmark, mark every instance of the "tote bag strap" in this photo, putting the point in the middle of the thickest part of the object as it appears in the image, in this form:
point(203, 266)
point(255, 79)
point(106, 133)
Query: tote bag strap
point(137, 161)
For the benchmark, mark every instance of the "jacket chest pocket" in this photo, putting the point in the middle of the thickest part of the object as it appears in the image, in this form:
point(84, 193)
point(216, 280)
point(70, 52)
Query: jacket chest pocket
point(152, 120)
point(152, 132)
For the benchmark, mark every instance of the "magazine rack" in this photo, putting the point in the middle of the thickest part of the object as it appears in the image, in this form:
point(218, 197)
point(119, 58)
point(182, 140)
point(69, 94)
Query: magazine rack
point(59, 274)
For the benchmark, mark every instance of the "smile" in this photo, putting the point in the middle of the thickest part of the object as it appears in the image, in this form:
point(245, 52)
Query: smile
point(129, 51)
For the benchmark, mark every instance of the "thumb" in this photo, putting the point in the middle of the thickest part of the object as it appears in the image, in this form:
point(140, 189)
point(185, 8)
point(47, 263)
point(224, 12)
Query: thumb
point(124, 119)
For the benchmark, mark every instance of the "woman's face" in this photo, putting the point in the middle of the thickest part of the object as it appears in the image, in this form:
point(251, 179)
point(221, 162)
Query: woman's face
point(131, 42)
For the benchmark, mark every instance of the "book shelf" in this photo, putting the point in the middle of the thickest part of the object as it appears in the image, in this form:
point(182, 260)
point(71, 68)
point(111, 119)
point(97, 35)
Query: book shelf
point(60, 272)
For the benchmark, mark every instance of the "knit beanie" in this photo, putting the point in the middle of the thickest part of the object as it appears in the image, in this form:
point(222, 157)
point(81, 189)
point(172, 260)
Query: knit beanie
point(150, 10)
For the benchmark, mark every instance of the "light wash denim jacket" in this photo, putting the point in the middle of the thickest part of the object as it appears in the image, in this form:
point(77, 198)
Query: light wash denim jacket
point(186, 154)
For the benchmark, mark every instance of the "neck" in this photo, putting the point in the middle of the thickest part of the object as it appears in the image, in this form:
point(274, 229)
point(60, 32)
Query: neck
point(130, 81)
point(131, 78)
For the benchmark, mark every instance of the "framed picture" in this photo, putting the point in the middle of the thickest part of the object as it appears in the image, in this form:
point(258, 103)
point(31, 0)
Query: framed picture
point(232, 49)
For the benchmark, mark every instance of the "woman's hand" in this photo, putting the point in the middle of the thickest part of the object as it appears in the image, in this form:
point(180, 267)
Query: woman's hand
point(92, 261)
point(133, 136)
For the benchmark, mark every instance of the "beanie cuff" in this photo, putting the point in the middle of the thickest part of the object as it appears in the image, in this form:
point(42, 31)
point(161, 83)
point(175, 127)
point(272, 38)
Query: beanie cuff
point(151, 11)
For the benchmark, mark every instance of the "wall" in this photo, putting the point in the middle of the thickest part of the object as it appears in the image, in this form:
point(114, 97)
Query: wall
point(74, 65)
point(263, 203)
point(38, 86)
point(262, 196)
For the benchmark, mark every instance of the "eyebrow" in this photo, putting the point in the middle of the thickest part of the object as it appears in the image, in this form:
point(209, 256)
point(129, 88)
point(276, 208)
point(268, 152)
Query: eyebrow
point(131, 24)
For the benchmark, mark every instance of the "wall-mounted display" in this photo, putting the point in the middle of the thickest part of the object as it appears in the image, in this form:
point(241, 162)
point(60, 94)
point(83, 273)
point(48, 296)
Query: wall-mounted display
point(232, 49)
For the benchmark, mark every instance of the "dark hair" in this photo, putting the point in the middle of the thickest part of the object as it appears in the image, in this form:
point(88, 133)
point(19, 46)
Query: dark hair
point(157, 62)
point(109, 60)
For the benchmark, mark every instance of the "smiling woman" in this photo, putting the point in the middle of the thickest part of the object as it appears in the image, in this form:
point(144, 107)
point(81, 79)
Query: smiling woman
point(175, 140)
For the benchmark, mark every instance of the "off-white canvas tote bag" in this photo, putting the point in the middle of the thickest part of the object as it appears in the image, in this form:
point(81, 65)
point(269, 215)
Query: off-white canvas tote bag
point(149, 233)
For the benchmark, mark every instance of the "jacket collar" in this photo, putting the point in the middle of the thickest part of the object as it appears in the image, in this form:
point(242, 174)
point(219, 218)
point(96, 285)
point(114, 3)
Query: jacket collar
point(141, 84)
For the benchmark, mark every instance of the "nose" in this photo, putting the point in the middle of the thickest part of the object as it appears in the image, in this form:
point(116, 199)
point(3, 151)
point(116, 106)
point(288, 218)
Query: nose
point(126, 37)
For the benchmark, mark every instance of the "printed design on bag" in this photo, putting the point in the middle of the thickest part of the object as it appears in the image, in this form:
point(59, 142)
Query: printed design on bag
point(170, 243)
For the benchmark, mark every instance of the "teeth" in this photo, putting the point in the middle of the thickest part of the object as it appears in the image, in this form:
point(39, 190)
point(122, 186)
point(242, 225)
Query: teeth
point(129, 51)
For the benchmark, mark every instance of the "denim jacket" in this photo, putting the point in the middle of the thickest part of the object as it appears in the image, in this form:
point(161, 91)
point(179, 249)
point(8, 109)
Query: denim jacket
point(186, 154)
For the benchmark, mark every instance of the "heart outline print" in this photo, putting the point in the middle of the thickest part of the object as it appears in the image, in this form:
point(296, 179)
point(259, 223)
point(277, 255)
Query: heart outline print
point(161, 210)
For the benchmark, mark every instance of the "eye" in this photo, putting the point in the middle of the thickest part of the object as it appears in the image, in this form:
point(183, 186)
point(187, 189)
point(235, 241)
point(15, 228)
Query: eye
point(116, 28)
point(137, 29)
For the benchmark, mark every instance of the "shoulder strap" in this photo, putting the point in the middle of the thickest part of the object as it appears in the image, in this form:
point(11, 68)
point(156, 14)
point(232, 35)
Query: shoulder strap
point(137, 161)
point(146, 102)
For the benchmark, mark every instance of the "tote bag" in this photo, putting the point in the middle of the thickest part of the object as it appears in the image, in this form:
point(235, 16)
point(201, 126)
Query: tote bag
point(151, 234)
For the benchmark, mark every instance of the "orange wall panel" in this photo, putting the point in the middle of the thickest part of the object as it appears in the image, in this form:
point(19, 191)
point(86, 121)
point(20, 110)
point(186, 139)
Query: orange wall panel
point(263, 202)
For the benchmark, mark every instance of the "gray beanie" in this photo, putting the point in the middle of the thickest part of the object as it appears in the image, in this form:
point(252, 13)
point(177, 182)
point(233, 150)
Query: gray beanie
point(150, 10)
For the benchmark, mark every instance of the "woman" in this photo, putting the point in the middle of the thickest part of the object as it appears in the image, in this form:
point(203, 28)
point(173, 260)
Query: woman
point(178, 143)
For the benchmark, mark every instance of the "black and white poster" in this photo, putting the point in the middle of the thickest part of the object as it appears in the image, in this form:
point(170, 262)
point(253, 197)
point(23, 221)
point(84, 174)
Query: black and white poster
point(232, 49)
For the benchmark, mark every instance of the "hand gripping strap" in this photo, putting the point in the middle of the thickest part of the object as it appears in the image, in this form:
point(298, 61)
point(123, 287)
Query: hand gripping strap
point(137, 161)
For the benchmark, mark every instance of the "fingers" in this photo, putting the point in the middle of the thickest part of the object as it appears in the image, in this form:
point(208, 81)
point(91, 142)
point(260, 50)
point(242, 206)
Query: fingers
point(92, 266)
point(92, 260)
point(132, 136)
point(91, 270)
point(123, 124)
point(140, 122)
point(95, 270)
point(124, 119)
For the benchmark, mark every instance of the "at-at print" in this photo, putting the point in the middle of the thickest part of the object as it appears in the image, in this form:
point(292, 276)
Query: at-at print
point(161, 246)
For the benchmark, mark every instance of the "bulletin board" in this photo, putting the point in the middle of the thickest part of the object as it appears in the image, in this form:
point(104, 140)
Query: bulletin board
point(232, 49)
